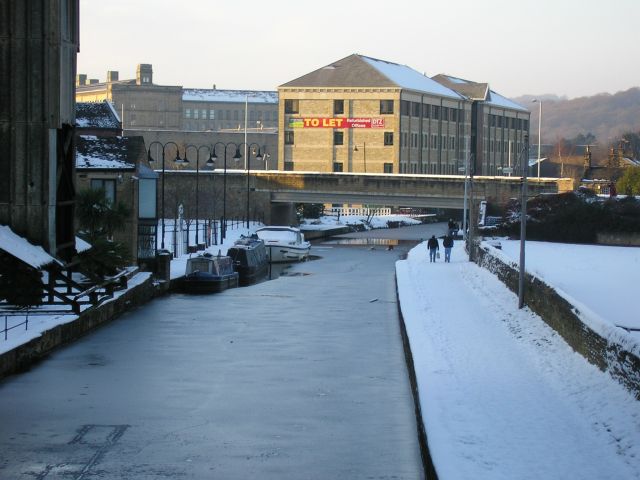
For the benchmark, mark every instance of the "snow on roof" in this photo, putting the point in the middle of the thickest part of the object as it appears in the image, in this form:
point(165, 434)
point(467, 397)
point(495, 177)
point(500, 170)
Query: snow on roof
point(102, 153)
point(500, 101)
point(409, 78)
point(96, 115)
point(229, 96)
point(81, 245)
point(24, 251)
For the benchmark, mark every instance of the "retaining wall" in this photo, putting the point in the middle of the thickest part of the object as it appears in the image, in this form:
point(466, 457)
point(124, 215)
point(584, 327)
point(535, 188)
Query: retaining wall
point(22, 357)
point(610, 349)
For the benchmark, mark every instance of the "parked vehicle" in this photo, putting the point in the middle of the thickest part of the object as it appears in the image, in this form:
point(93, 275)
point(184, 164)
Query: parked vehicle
point(284, 244)
point(207, 273)
point(250, 259)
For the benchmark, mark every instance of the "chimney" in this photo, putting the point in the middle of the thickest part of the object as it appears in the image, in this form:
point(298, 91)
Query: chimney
point(81, 79)
point(144, 74)
point(112, 76)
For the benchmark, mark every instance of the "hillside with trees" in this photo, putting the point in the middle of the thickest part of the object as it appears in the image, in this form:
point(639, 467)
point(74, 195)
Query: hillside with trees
point(604, 118)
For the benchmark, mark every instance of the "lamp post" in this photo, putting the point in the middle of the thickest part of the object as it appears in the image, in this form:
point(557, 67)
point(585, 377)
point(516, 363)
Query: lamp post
point(248, 160)
point(539, 130)
point(364, 154)
point(524, 155)
point(214, 157)
point(209, 163)
point(177, 160)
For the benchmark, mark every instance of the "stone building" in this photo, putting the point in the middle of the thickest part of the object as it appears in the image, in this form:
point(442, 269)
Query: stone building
point(361, 114)
point(39, 41)
point(107, 160)
point(498, 126)
point(140, 103)
point(186, 115)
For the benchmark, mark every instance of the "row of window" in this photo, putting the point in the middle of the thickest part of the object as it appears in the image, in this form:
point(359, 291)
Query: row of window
point(292, 106)
point(499, 146)
point(338, 138)
point(339, 167)
point(435, 112)
point(508, 122)
point(433, 142)
point(237, 115)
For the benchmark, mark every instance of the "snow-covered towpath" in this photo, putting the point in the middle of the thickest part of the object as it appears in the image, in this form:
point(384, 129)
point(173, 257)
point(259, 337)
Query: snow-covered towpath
point(502, 395)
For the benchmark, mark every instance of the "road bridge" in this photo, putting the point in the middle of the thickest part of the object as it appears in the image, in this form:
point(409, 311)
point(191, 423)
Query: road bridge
point(270, 191)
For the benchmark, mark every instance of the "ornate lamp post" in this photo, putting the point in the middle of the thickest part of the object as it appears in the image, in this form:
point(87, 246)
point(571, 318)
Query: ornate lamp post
point(177, 160)
point(259, 157)
point(214, 158)
point(210, 162)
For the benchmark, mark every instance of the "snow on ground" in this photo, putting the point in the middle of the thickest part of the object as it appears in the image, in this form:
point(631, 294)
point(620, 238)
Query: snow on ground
point(502, 395)
point(379, 221)
point(598, 279)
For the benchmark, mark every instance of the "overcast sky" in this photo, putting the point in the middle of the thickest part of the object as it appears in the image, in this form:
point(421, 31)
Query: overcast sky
point(565, 47)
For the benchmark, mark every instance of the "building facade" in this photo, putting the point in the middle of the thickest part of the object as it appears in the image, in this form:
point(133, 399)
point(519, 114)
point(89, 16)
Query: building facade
point(361, 114)
point(188, 116)
point(38, 47)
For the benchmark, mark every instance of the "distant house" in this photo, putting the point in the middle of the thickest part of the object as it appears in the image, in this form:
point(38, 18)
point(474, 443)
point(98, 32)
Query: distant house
point(107, 160)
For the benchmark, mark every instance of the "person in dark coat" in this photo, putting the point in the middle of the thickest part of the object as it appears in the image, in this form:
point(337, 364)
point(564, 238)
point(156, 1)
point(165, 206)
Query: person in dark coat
point(433, 247)
point(447, 243)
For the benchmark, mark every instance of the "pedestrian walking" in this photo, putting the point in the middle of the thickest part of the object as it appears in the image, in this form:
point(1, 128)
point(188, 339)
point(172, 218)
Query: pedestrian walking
point(452, 226)
point(447, 243)
point(434, 247)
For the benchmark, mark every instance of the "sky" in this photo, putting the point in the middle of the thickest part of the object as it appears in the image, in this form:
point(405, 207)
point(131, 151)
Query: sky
point(569, 48)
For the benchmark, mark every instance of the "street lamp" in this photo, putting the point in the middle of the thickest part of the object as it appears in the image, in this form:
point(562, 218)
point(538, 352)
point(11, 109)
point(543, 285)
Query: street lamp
point(214, 158)
point(364, 154)
point(209, 163)
point(539, 130)
point(524, 155)
point(259, 157)
point(177, 160)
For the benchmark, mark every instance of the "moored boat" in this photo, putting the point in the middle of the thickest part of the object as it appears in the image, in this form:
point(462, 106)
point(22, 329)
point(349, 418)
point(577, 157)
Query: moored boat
point(284, 244)
point(250, 259)
point(207, 273)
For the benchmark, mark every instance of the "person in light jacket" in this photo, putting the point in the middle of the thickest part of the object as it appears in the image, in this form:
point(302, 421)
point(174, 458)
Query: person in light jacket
point(433, 247)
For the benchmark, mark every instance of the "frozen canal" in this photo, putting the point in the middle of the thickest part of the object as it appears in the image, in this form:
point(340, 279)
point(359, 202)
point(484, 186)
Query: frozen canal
point(302, 377)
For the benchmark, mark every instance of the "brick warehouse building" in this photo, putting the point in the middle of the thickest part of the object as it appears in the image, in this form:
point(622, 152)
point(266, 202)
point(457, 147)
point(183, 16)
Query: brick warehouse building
point(361, 114)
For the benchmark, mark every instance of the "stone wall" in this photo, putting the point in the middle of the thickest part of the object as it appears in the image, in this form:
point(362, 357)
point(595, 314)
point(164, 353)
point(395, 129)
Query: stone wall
point(600, 349)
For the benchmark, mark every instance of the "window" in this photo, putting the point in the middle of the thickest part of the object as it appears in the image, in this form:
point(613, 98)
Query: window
point(338, 107)
point(288, 137)
point(337, 166)
point(454, 115)
point(235, 115)
point(388, 138)
point(435, 112)
point(403, 140)
point(434, 141)
point(445, 113)
point(452, 143)
point(388, 167)
point(203, 114)
point(291, 106)
point(227, 114)
point(212, 114)
point(404, 107)
point(338, 138)
point(288, 166)
point(415, 109)
point(187, 113)
point(109, 187)
point(386, 107)
point(426, 111)
point(196, 113)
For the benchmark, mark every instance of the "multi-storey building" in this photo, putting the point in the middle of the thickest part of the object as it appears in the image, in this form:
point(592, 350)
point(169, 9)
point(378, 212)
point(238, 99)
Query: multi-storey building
point(498, 126)
point(215, 110)
point(361, 114)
